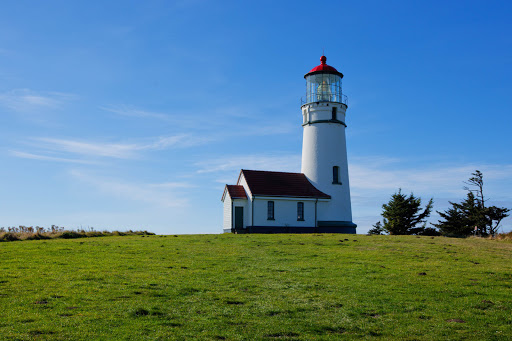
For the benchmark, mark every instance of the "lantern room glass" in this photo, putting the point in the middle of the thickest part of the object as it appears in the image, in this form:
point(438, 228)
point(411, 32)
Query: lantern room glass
point(324, 87)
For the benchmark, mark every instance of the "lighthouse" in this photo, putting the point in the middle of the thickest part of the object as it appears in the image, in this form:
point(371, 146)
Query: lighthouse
point(317, 200)
point(324, 146)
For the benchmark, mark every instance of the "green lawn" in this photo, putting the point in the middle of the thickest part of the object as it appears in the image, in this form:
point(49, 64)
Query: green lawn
point(252, 287)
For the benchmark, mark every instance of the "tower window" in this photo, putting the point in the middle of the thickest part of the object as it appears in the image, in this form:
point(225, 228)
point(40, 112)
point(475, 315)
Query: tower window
point(336, 175)
point(334, 113)
point(300, 211)
point(270, 210)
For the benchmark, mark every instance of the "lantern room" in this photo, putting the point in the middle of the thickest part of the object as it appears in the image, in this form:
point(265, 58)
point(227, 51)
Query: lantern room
point(323, 84)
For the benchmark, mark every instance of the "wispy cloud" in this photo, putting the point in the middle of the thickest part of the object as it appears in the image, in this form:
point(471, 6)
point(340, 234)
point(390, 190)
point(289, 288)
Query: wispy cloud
point(29, 101)
point(130, 111)
point(248, 121)
point(31, 156)
point(115, 150)
point(48, 147)
point(285, 163)
point(380, 174)
point(172, 185)
point(163, 195)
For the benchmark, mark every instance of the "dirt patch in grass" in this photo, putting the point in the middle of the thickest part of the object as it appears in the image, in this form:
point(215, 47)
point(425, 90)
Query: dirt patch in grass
point(484, 305)
point(40, 332)
point(282, 335)
point(140, 312)
point(234, 302)
point(374, 315)
point(172, 324)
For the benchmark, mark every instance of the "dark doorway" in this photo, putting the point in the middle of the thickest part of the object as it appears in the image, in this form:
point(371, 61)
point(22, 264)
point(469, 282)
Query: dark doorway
point(239, 217)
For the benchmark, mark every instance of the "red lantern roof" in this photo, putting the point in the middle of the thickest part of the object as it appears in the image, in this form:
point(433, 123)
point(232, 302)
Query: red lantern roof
point(323, 68)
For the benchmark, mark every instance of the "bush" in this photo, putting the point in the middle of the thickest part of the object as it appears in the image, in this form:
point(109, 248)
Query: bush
point(429, 231)
point(93, 234)
point(506, 236)
point(69, 235)
point(8, 237)
point(35, 236)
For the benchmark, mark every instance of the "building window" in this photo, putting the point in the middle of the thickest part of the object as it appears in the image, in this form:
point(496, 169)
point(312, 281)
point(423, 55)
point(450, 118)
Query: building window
point(300, 211)
point(270, 210)
point(334, 113)
point(336, 175)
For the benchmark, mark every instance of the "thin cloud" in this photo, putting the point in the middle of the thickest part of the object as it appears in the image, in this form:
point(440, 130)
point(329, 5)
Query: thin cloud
point(253, 122)
point(112, 150)
point(133, 112)
point(31, 156)
point(115, 150)
point(29, 101)
point(443, 180)
point(172, 185)
point(164, 195)
point(285, 163)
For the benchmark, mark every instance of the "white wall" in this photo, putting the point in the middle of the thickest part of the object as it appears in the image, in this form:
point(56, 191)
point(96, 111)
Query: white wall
point(285, 212)
point(248, 209)
point(226, 224)
point(323, 147)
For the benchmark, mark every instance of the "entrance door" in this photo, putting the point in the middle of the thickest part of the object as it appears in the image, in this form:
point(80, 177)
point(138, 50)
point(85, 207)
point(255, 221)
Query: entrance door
point(239, 217)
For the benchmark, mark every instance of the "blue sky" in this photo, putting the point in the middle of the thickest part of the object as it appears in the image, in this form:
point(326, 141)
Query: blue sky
point(135, 114)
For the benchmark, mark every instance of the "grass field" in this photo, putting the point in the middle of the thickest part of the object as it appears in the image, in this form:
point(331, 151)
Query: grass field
point(256, 287)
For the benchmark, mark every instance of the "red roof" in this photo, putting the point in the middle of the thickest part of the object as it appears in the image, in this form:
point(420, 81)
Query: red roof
point(264, 183)
point(324, 68)
point(236, 192)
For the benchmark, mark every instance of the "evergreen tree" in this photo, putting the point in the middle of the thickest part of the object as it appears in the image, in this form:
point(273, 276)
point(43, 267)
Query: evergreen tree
point(476, 181)
point(402, 214)
point(460, 219)
point(377, 229)
point(494, 217)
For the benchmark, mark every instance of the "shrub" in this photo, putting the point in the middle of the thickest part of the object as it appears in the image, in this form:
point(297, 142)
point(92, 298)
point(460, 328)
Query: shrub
point(35, 236)
point(69, 235)
point(8, 236)
point(93, 234)
point(506, 236)
point(429, 231)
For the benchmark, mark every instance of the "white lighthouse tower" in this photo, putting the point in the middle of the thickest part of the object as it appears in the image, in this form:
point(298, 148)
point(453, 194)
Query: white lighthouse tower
point(317, 200)
point(324, 148)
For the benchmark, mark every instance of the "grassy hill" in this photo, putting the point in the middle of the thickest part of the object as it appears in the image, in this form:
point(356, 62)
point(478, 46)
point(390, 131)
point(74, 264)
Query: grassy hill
point(268, 287)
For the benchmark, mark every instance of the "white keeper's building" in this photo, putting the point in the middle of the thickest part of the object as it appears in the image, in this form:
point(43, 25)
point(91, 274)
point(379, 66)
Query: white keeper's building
point(317, 200)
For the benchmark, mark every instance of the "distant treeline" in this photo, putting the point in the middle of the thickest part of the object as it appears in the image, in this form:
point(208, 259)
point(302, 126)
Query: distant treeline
point(34, 233)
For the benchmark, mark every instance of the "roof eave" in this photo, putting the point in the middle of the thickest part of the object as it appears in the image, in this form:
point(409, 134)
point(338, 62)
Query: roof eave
point(324, 71)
